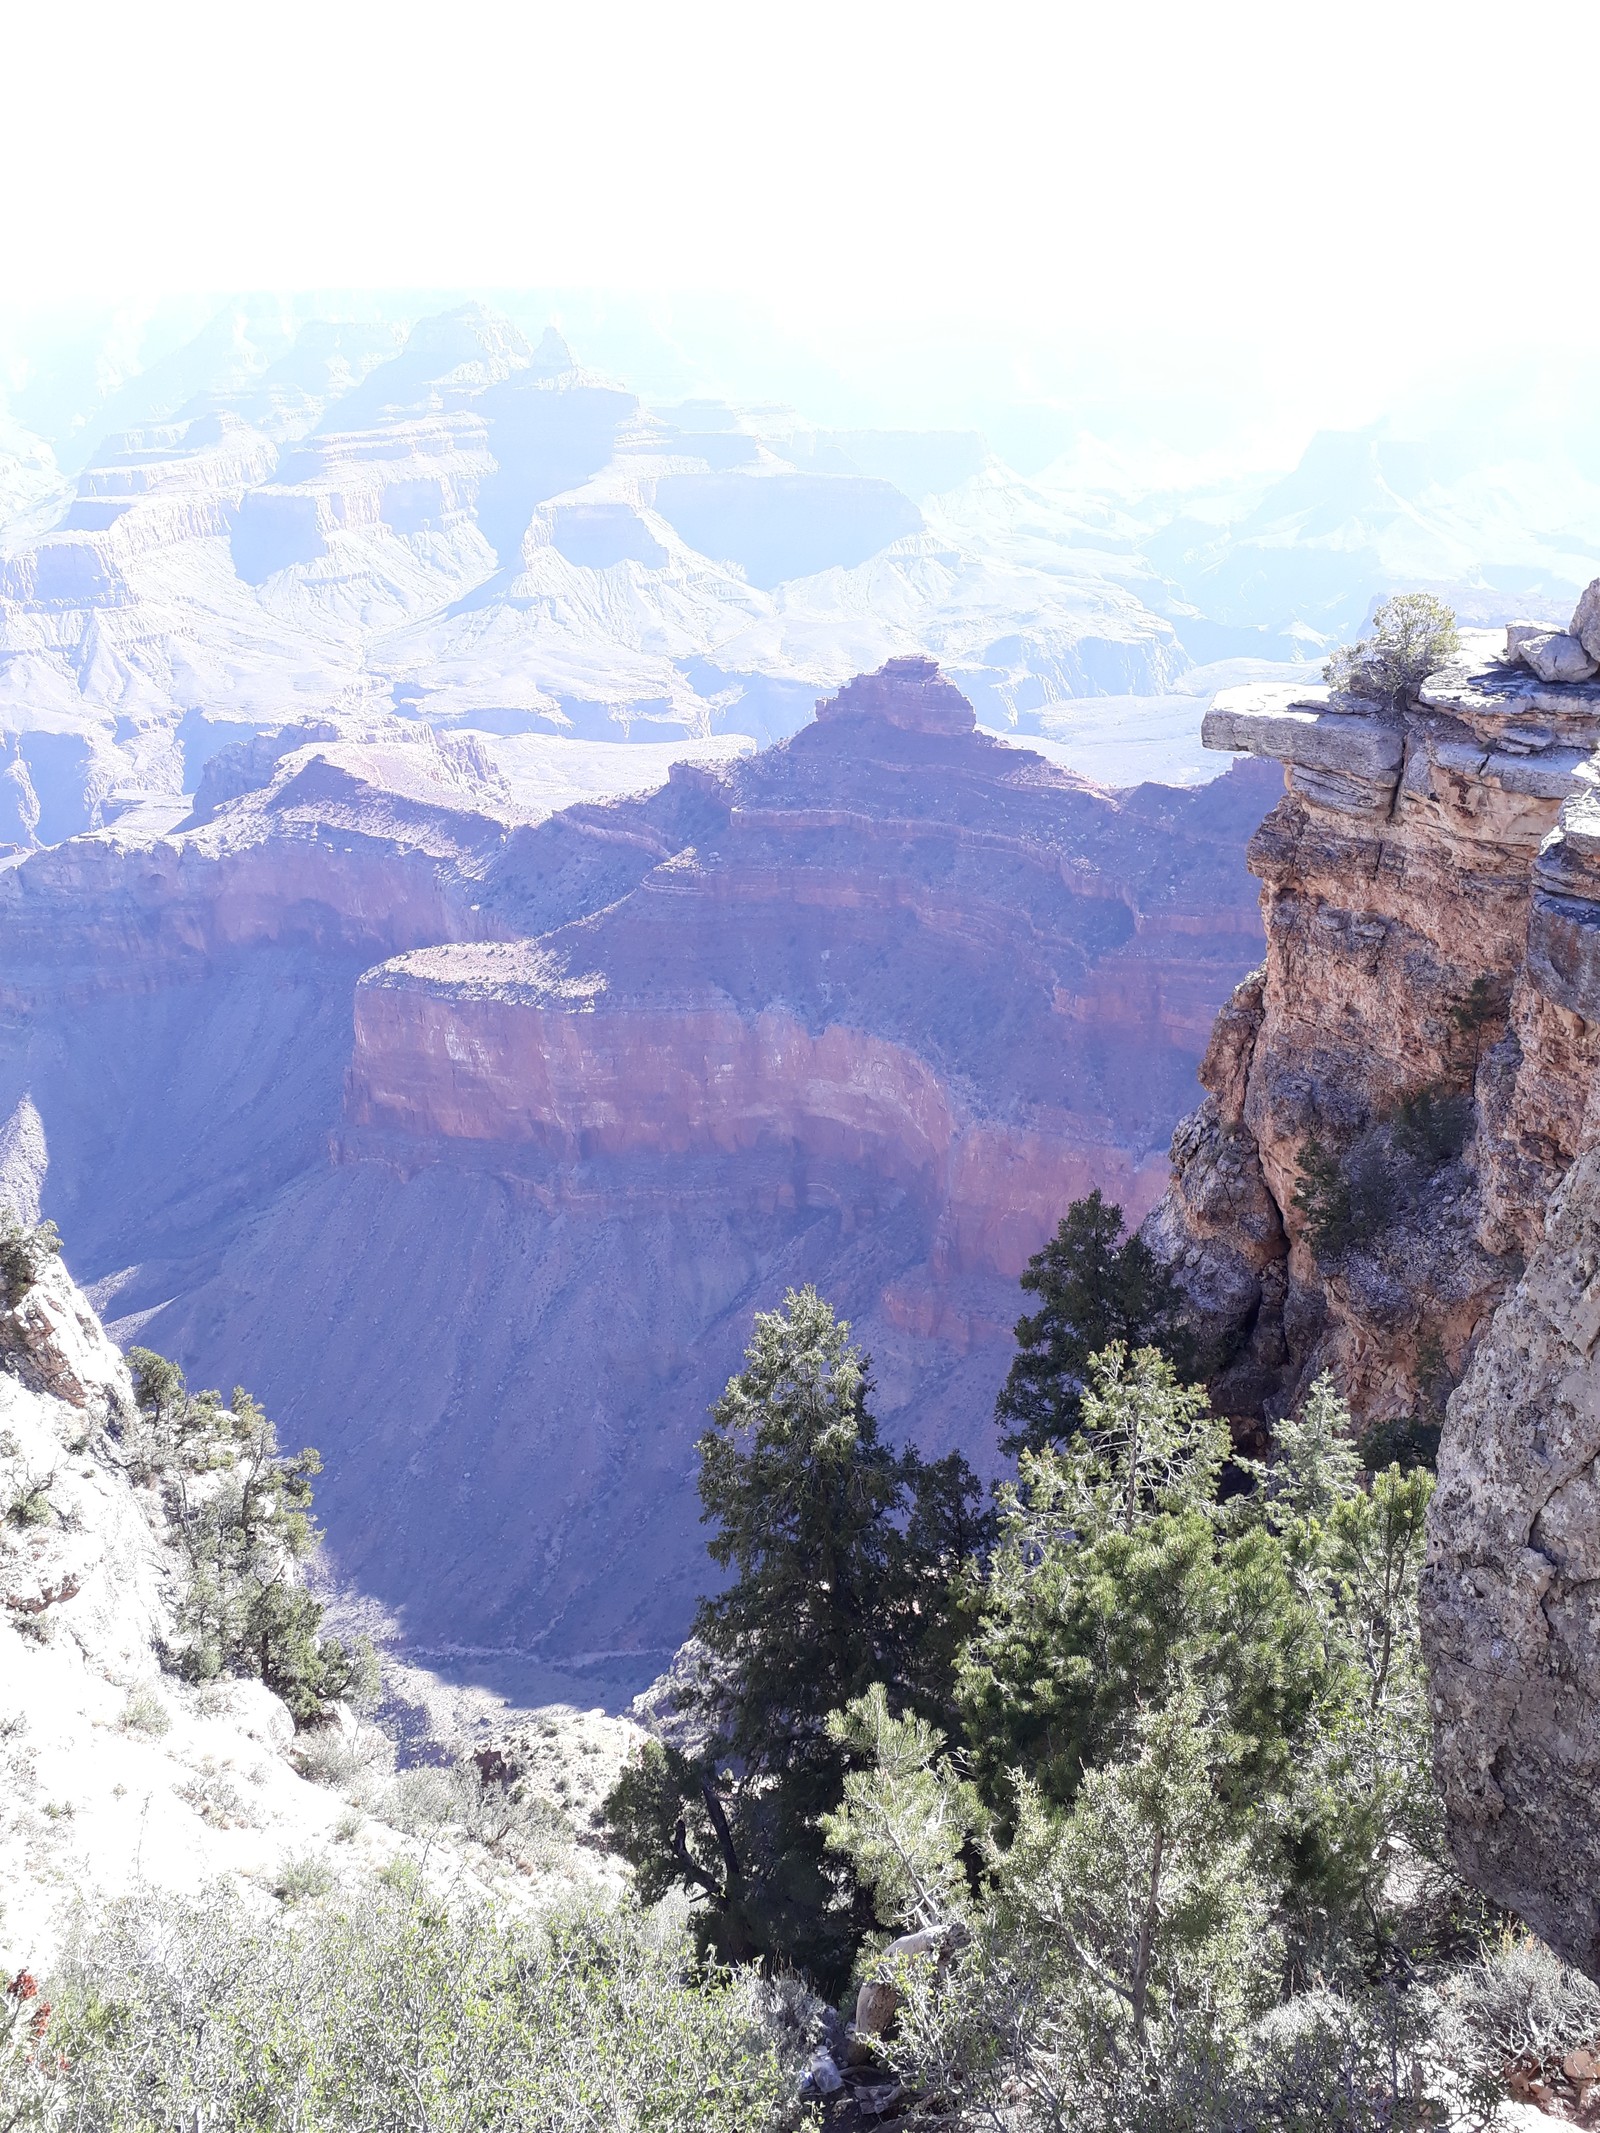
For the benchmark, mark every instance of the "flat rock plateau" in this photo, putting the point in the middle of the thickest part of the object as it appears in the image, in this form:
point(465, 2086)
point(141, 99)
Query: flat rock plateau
point(468, 1135)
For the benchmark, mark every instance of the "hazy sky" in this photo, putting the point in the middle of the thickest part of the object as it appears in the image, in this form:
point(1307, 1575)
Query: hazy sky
point(1321, 198)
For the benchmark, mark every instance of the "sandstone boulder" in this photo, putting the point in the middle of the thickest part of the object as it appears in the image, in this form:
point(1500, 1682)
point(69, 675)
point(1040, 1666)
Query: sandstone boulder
point(1557, 657)
point(1586, 620)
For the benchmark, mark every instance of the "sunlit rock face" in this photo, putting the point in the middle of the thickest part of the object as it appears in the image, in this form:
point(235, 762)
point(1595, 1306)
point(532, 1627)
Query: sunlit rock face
point(908, 963)
point(1431, 887)
point(471, 1136)
point(1407, 874)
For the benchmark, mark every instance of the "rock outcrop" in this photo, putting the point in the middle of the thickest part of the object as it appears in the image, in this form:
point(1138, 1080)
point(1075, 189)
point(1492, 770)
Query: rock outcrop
point(1396, 1175)
point(1053, 960)
point(111, 1771)
point(118, 1776)
point(470, 1140)
point(1417, 1031)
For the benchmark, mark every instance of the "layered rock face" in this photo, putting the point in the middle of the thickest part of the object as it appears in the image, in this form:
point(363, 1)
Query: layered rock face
point(1052, 960)
point(1409, 1028)
point(470, 1141)
point(470, 530)
point(1432, 896)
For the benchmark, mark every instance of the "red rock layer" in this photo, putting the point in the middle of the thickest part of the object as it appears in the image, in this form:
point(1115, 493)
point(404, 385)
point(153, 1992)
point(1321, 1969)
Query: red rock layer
point(918, 964)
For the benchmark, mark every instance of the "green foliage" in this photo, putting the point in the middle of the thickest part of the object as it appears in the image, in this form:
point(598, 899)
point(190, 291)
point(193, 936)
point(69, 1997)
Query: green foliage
point(1095, 1287)
point(1202, 1732)
point(1348, 1200)
point(389, 2009)
point(1318, 1466)
point(1405, 1441)
point(1117, 1940)
point(1413, 635)
point(1114, 1579)
point(241, 1513)
point(1322, 1194)
point(144, 1712)
point(1485, 1004)
point(1144, 1890)
point(25, 1251)
point(1383, 1173)
point(30, 1506)
point(1147, 1446)
point(844, 1554)
point(1432, 1125)
point(907, 1820)
point(1361, 1795)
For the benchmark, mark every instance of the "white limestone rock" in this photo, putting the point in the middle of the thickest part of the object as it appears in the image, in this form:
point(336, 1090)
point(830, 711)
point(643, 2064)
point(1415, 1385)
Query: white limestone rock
point(1555, 656)
point(1518, 634)
point(1586, 619)
point(111, 1771)
point(1344, 760)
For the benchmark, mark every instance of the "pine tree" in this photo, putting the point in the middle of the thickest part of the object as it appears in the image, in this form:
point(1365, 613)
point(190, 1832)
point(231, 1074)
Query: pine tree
point(1116, 1575)
point(844, 1554)
point(1095, 1286)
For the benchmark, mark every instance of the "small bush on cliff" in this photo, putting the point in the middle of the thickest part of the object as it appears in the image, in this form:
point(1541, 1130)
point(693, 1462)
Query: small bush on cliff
point(240, 1512)
point(1095, 1286)
point(1350, 1199)
point(1432, 1125)
point(845, 1554)
point(1412, 636)
point(1322, 1194)
point(25, 1251)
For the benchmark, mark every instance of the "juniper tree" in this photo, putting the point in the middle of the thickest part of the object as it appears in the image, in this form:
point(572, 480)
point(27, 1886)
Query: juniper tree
point(844, 1554)
point(241, 1511)
point(1095, 1286)
point(1116, 1575)
point(1413, 634)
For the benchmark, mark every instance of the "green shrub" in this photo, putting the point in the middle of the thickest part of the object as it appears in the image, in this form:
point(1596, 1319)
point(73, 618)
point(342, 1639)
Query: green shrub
point(30, 1506)
point(25, 1251)
point(1322, 1194)
point(1349, 1200)
point(1432, 1125)
point(1412, 636)
point(390, 2009)
point(1403, 1441)
point(144, 1712)
point(240, 1510)
point(302, 1878)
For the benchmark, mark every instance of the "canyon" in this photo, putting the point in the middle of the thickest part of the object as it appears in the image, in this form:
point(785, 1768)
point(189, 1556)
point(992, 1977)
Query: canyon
point(468, 1133)
point(1393, 1177)
point(460, 526)
point(347, 508)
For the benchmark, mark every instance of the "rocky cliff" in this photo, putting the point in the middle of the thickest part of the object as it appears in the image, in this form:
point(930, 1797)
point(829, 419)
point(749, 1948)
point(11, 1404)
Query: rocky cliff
point(470, 1140)
point(1395, 1175)
point(111, 1771)
point(119, 1776)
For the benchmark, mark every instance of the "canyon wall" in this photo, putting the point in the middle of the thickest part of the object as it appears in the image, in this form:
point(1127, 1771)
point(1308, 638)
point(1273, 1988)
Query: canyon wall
point(1395, 1175)
point(471, 1141)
